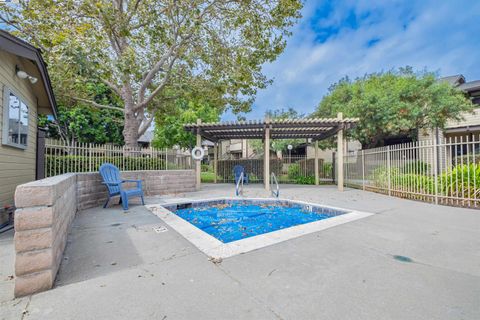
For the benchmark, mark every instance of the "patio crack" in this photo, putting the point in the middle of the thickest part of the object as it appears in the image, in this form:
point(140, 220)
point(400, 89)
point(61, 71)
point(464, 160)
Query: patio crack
point(25, 310)
point(252, 295)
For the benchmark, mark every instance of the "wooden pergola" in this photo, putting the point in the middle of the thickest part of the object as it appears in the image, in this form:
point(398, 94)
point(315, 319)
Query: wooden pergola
point(307, 128)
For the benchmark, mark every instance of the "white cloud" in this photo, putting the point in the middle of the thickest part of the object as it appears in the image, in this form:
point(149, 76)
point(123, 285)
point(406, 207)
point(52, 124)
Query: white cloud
point(441, 36)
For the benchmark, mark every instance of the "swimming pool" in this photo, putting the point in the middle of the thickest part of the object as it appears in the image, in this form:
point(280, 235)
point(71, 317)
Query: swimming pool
point(234, 220)
point(224, 227)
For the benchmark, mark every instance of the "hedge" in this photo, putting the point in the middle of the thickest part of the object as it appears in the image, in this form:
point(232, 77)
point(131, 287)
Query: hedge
point(253, 167)
point(62, 164)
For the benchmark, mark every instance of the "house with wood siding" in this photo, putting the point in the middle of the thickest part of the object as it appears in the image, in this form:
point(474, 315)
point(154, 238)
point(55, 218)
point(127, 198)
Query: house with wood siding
point(470, 125)
point(25, 92)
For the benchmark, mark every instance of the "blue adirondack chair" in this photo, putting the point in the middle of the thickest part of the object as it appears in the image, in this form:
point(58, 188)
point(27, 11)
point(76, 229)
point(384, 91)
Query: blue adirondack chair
point(113, 181)
point(237, 171)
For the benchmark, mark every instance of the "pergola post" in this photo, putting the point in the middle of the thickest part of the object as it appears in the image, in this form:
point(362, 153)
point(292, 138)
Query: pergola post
point(340, 150)
point(317, 178)
point(198, 165)
point(266, 164)
point(215, 161)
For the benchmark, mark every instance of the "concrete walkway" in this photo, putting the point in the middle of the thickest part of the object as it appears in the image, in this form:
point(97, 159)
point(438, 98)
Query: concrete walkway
point(410, 260)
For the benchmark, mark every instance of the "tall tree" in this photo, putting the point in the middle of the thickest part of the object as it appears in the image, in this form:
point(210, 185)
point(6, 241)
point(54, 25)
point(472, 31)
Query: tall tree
point(394, 103)
point(146, 51)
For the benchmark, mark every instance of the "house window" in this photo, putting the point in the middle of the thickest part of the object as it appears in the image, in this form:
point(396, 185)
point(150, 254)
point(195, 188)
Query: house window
point(15, 120)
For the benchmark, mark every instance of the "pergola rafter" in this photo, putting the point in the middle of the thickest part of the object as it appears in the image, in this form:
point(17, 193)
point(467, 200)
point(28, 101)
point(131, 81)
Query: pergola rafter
point(305, 128)
point(314, 128)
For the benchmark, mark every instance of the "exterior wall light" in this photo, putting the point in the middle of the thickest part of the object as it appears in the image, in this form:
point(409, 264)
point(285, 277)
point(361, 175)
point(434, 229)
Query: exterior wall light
point(23, 75)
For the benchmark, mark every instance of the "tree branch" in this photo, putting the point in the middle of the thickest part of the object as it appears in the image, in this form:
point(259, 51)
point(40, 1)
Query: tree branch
point(32, 35)
point(162, 85)
point(145, 126)
point(112, 86)
point(98, 105)
point(151, 74)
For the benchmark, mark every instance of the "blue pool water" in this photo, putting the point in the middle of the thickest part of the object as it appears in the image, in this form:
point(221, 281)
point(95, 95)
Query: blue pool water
point(233, 221)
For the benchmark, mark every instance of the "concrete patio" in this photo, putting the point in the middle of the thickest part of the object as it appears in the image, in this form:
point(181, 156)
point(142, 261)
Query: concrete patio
point(410, 260)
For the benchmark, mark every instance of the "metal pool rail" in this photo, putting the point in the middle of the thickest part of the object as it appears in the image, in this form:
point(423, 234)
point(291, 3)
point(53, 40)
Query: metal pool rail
point(273, 180)
point(239, 185)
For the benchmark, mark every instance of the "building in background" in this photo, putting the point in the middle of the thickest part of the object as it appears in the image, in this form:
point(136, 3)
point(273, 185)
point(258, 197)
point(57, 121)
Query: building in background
point(467, 128)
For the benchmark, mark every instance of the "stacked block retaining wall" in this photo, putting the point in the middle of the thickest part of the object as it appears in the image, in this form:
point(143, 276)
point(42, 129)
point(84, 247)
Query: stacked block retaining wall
point(47, 207)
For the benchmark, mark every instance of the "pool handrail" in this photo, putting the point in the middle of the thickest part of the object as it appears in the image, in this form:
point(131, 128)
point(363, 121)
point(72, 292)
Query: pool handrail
point(273, 179)
point(239, 185)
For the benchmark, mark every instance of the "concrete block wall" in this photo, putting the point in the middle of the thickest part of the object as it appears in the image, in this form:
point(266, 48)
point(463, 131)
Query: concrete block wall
point(91, 192)
point(47, 207)
point(45, 211)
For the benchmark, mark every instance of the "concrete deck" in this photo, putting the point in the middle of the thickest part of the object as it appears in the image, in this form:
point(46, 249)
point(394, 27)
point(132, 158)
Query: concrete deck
point(117, 267)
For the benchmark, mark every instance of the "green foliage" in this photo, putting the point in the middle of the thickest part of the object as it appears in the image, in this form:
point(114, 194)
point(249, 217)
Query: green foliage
point(207, 167)
point(71, 163)
point(394, 103)
point(153, 52)
point(305, 180)
point(169, 128)
point(327, 168)
point(82, 123)
point(307, 175)
point(417, 167)
point(253, 167)
point(293, 171)
point(402, 180)
point(85, 124)
point(207, 177)
point(462, 181)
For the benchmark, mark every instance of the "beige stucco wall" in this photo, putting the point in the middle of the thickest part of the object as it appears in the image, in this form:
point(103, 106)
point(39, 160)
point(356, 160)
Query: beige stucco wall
point(17, 166)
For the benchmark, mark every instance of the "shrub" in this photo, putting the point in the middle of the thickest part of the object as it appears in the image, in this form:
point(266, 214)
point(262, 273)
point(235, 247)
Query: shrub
point(417, 167)
point(207, 177)
point(207, 168)
point(403, 181)
point(305, 180)
point(254, 167)
point(461, 181)
point(293, 171)
point(62, 164)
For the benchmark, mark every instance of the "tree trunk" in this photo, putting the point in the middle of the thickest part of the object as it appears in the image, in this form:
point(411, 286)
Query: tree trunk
point(130, 130)
point(131, 122)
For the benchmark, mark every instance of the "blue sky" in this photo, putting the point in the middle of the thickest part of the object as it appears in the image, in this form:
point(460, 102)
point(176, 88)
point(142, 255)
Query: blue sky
point(347, 37)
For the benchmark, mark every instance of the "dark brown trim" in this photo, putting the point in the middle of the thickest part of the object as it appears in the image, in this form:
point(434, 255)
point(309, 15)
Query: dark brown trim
point(40, 150)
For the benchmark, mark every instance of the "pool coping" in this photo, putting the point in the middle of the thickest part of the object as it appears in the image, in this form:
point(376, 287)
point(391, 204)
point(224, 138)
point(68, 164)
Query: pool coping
point(214, 248)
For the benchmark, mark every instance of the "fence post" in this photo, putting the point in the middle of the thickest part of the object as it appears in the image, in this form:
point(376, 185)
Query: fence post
point(90, 157)
point(166, 159)
point(333, 166)
point(40, 169)
point(363, 170)
point(389, 172)
point(316, 167)
point(435, 167)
